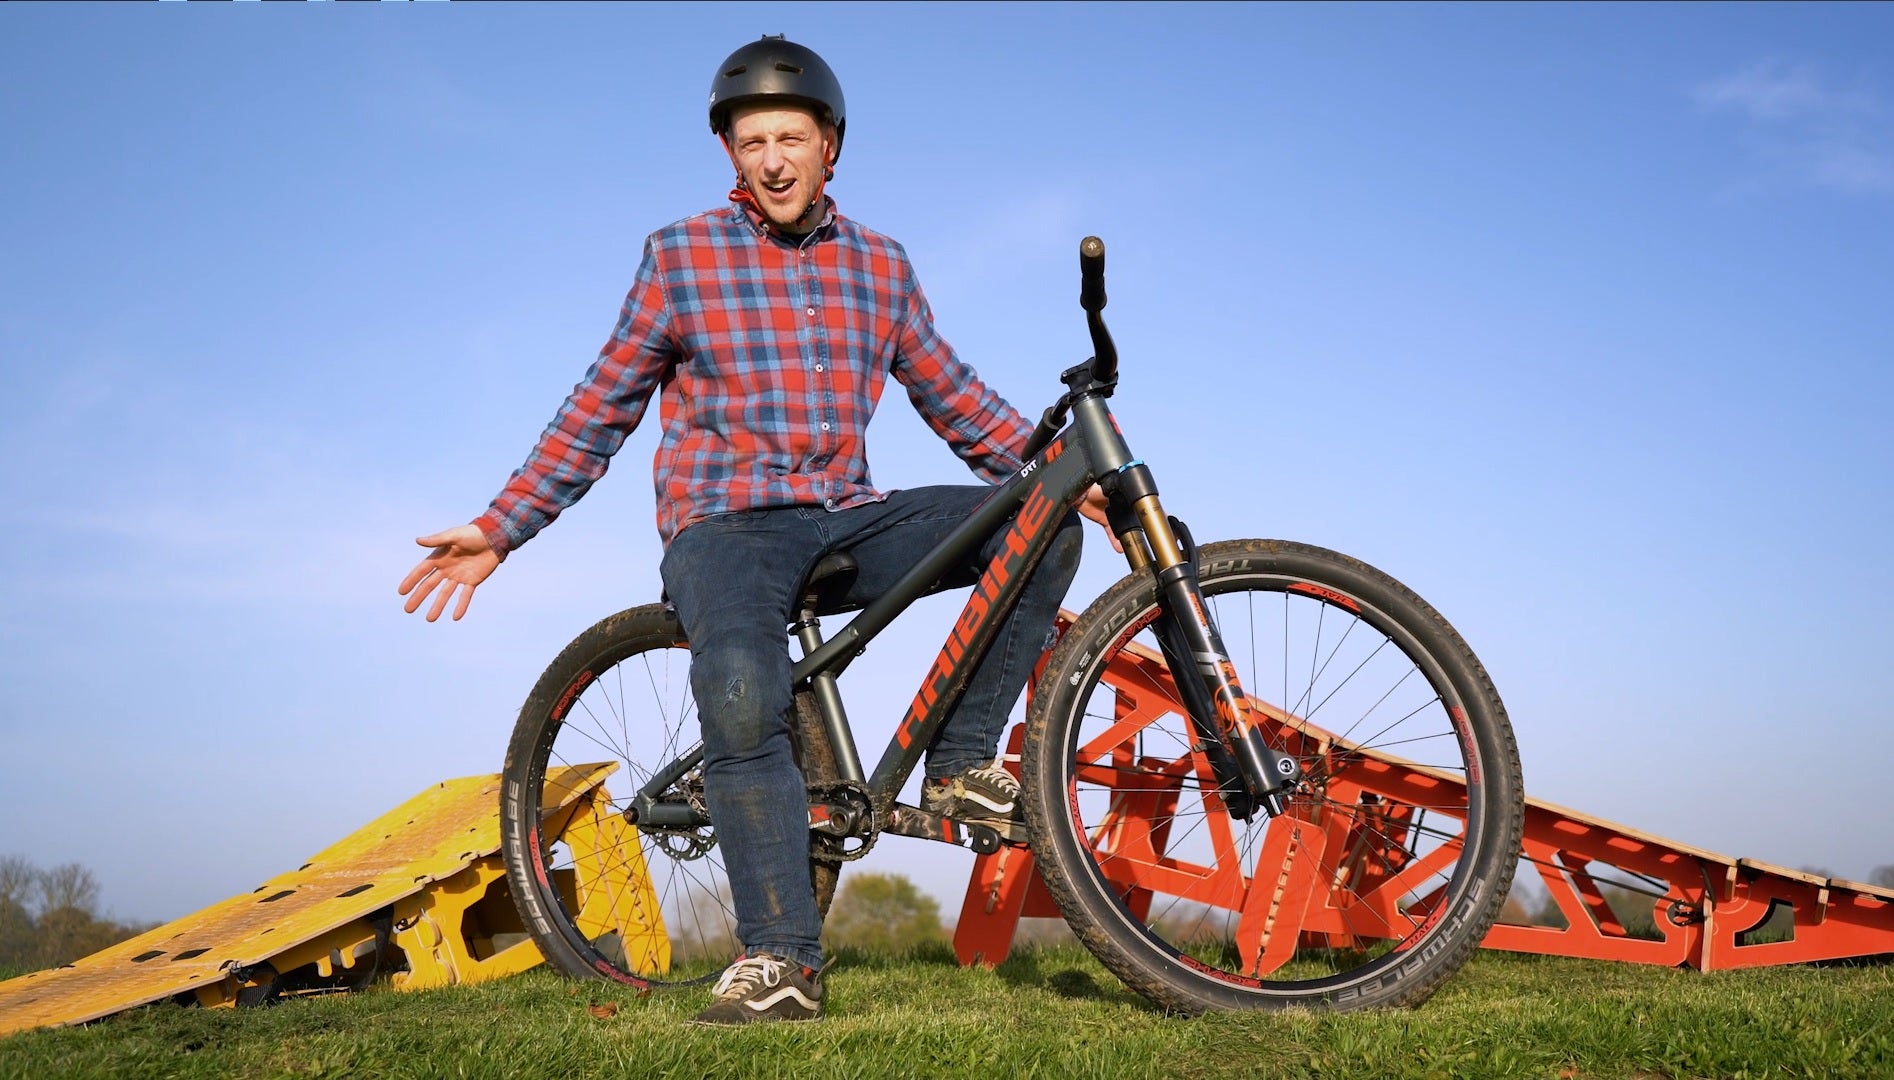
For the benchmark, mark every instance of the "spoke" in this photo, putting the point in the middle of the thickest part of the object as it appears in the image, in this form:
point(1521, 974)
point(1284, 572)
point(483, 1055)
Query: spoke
point(615, 751)
point(624, 730)
point(1350, 677)
point(1397, 721)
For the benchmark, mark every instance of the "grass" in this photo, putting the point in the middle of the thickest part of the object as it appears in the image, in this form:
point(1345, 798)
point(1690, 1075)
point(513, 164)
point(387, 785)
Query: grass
point(1048, 1012)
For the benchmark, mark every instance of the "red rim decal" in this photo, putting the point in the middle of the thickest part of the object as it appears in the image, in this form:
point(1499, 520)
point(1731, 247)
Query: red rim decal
point(1330, 595)
point(1217, 973)
point(573, 690)
point(1467, 748)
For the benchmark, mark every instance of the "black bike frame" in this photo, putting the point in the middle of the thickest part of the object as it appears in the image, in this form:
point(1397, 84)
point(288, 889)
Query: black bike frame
point(1031, 505)
point(1037, 499)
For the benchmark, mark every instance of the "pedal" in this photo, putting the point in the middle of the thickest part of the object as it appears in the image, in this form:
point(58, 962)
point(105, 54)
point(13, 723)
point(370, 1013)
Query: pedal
point(978, 837)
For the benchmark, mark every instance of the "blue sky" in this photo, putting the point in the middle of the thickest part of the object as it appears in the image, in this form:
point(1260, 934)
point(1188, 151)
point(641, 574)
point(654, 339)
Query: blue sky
point(1574, 318)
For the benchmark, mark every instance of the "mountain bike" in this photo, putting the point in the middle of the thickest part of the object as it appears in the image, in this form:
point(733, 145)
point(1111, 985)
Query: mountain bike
point(1254, 773)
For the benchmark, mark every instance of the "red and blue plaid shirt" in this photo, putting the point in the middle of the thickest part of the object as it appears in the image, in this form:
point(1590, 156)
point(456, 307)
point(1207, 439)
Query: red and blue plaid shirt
point(771, 352)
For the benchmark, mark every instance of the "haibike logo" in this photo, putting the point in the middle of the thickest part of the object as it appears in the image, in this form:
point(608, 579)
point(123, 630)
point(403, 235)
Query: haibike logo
point(1027, 524)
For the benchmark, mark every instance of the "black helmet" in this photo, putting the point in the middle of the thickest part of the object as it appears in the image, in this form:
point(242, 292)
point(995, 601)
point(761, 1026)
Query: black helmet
point(776, 68)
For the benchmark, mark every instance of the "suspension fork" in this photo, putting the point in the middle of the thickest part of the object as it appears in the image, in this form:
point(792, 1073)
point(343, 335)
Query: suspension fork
point(1249, 773)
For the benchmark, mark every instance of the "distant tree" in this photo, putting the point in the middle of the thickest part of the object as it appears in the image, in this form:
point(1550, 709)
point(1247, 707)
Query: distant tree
point(1882, 876)
point(68, 920)
point(1517, 911)
point(883, 913)
point(1636, 911)
point(1043, 933)
point(19, 879)
point(19, 934)
point(1548, 913)
point(51, 917)
point(68, 886)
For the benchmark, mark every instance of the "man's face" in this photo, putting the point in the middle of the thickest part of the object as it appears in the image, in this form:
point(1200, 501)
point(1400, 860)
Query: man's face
point(782, 154)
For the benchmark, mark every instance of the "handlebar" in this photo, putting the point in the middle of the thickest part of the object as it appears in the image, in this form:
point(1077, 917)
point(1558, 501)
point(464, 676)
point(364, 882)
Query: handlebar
point(1092, 299)
point(1092, 274)
point(1101, 371)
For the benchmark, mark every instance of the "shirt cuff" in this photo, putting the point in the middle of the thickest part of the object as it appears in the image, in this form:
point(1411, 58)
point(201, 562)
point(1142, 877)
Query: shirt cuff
point(497, 539)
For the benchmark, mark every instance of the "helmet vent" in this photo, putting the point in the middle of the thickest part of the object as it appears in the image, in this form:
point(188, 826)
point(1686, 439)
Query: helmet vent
point(735, 71)
point(790, 68)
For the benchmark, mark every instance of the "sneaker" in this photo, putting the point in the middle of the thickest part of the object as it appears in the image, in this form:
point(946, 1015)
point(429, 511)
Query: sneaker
point(986, 794)
point(762, 988)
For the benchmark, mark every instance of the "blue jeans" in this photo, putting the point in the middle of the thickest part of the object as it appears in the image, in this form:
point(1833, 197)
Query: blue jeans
point(733, 580)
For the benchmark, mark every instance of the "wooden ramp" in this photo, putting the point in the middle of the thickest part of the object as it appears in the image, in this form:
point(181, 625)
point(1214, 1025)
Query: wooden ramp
point(418, 897)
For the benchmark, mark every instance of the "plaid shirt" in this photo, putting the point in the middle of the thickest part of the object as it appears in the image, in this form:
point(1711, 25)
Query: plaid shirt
point(771, 354)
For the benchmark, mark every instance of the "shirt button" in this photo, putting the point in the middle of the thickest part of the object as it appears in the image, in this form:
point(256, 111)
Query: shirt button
point(818, 367)
point(812, 311)
point(828, 504)
point(825, 427)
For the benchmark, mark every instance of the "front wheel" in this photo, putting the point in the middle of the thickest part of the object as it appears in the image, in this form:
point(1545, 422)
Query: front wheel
point(1396, 849)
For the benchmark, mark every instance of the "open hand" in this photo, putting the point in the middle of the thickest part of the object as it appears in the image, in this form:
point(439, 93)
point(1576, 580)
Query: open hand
point(461, 560)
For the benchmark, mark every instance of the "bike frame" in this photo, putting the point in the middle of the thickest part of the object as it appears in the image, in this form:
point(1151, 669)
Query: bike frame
point(1031, 505)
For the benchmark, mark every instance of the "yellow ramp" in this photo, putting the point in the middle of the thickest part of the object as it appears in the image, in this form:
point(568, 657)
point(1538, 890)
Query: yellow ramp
point(418, 894)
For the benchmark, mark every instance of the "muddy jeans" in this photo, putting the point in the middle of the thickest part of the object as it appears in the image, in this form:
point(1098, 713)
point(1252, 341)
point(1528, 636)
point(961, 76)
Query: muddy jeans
point(733, 579)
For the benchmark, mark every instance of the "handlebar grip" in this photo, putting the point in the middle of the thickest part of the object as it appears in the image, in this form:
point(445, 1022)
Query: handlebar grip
point(1092, 274)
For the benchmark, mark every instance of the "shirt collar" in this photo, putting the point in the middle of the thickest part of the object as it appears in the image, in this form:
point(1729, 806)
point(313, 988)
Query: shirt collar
point(761, 226)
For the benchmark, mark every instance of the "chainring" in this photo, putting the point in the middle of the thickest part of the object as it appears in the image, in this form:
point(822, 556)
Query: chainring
point(827, 847)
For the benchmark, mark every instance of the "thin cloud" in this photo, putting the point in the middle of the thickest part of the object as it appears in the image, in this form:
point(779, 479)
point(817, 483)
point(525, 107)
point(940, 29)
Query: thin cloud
point(1771, 90)
point(1800, 130)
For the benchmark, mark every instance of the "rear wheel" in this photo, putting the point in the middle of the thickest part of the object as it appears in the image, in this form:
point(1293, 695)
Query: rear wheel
point(1396, 851)
point(602, 897)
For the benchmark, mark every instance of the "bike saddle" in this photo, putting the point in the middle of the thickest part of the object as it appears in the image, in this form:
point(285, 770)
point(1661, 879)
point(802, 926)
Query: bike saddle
point(825, 587)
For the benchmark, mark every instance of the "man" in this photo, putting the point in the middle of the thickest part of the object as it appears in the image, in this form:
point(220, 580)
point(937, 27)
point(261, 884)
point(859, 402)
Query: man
point(770, 326)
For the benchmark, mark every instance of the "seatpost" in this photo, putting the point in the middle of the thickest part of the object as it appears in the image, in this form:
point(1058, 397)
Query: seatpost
point(828, 698)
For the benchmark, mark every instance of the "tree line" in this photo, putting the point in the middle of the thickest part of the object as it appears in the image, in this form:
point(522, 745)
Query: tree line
point(51, 917)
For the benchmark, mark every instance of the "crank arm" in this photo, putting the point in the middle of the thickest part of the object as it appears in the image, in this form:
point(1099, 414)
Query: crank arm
point(979, 838)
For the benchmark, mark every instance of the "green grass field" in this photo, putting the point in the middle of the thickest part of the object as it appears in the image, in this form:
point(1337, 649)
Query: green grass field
point(1045, 1013)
